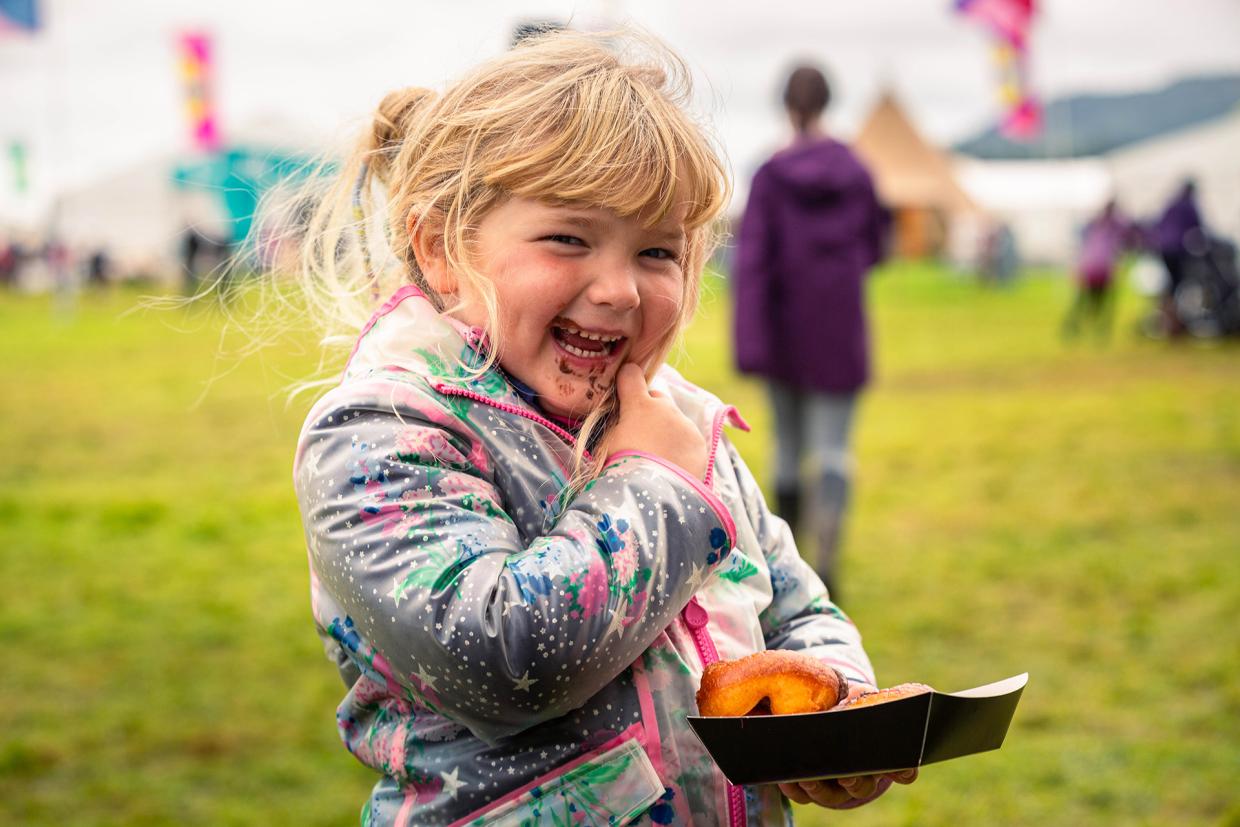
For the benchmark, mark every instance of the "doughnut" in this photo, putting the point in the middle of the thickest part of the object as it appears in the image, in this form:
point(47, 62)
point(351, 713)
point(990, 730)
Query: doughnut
point(788, 683)
point(882, 696)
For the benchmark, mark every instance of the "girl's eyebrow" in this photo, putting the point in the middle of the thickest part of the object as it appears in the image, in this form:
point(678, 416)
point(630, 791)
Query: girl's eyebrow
point(677, 234)
point(564, 215)
point(589, 222)
point(579, 220)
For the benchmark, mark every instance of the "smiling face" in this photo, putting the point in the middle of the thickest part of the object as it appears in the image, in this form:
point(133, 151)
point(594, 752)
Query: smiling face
point(581, 290)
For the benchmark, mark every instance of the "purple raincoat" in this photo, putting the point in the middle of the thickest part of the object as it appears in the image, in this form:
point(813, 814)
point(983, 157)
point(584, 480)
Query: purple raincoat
point(811, 230)
point(1174, 224)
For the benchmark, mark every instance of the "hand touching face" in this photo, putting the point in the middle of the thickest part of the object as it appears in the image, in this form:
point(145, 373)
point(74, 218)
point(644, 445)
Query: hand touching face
point(651, 423)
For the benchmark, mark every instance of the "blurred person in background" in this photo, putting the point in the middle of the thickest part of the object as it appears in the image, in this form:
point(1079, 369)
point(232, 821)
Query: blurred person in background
point(201, 256)
point(98, 268)
point(999, 257)
point(59, 260)
point(1179, 219)
point(9, 259)
point(811, 231)
point(1105, 238)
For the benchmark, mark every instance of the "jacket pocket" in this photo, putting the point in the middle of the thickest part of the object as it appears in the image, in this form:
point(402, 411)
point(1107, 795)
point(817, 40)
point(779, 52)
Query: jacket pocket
point(611, 786)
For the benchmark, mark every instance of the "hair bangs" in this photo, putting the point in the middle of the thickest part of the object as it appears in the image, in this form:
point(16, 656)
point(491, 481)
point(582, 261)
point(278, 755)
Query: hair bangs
point(616, 144)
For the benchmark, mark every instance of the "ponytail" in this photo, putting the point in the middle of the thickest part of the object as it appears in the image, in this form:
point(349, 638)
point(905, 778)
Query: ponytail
point(396, 113)
point(379, 148)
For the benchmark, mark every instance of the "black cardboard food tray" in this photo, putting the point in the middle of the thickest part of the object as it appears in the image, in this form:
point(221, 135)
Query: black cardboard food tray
point(897, 735)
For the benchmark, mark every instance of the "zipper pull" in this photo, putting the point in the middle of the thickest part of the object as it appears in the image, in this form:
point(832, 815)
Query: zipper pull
point(695, 616)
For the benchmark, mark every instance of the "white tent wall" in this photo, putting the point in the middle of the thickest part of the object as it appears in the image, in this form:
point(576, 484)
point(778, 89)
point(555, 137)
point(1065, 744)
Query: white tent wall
point(1045, 203)
point(1147, 175)
point(134, 215)
point(139, 217)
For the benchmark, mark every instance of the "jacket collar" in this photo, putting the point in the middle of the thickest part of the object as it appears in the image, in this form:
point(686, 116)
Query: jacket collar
point(408, 334)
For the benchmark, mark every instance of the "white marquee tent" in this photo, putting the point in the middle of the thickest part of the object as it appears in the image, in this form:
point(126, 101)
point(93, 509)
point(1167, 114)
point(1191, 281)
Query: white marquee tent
point(1046, 203)
point(1147, 175)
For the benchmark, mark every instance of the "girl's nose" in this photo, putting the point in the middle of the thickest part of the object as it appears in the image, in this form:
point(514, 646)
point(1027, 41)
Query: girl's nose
point(614, 285)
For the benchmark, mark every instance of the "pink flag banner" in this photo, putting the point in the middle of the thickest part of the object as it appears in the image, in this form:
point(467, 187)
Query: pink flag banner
point(196, 74)
point(1009, 22)
point(1007, 19)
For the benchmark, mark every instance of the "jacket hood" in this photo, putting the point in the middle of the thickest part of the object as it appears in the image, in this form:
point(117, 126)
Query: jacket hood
point(817, 172)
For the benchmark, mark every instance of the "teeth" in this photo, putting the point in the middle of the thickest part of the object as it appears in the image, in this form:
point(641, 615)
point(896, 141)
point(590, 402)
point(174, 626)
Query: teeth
point(576, 351)
point(598, 337)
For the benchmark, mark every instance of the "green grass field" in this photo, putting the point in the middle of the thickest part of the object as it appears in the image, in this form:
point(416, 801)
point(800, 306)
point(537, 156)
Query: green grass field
point(1021, 505)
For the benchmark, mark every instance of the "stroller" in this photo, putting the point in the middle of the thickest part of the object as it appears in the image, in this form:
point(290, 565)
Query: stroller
point(1207, 299)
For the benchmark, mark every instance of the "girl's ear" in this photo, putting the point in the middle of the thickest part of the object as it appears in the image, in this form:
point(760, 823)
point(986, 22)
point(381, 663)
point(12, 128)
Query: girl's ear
point(426, 239)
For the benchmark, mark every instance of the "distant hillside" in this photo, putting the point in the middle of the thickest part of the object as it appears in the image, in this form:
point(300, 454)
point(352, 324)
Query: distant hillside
point(1095, 124)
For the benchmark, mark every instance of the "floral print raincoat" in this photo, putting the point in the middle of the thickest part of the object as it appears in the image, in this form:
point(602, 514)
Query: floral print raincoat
point(513, 657)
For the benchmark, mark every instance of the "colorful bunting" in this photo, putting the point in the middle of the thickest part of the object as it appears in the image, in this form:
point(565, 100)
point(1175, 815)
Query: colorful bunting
point(1008, 19)
point(196, 73)
point(1009, 22)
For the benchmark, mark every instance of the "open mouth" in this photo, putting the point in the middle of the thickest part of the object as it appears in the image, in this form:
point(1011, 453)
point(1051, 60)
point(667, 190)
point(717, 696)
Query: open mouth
point(585, 344)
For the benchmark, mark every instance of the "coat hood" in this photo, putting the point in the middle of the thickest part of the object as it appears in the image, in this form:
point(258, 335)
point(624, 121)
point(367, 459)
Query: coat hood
point(817, 172)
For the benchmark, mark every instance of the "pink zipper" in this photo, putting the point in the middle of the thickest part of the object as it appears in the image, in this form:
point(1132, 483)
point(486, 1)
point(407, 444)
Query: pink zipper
point(716, 433)
point(727, 412)
point(452, 390)
point(696, 618)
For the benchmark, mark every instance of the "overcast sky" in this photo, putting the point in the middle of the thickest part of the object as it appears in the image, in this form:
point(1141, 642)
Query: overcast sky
point(98, 88)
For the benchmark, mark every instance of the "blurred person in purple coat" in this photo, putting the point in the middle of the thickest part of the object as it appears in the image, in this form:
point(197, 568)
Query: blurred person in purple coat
point(1172, 234)
point(1103, 242)
point(811, 230)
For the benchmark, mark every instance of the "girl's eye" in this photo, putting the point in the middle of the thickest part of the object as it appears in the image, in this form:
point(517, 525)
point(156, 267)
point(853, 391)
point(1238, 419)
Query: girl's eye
point(566, 239)
point(660, 253)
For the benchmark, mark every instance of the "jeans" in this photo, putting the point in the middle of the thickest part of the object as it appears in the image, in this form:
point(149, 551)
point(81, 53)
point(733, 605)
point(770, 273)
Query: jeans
point(813, 468)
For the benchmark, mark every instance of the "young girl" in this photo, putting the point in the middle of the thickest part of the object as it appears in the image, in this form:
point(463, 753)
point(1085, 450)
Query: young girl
point(527, 535)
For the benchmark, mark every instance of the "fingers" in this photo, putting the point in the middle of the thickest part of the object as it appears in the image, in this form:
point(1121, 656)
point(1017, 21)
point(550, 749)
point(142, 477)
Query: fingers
point(860, 786)
point(855, 689)
point(844, 793)
point(822, 793)
point(631, 383)
point(905, 777)
point(632, 386)
point(826, 793)
point(652, 424)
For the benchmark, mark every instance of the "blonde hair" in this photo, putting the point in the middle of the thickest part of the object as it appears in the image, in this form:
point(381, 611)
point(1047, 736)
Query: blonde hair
point(564, 117)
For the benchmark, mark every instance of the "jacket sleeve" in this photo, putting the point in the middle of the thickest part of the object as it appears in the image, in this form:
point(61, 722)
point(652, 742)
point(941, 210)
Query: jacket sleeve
point(754, 282)
point(801, 615)
point(878, 227)
point(409, 537)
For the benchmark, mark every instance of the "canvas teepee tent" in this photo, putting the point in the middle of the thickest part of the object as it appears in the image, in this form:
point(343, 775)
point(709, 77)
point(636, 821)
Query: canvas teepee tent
point(914, 180)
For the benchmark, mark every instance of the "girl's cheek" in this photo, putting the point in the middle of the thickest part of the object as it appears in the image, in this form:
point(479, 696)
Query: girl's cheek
point(551, 264)
point(549, 280)
point(663, 309)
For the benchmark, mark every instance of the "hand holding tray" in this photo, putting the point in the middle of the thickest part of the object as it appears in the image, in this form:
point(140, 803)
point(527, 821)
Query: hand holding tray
point(888, 737)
